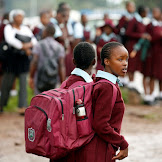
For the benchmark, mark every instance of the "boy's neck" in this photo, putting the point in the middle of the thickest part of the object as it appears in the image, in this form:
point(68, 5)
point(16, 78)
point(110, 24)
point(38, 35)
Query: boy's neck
point(88, 71)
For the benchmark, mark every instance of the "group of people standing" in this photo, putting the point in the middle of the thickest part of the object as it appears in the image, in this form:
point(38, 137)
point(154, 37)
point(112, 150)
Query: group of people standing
point(61, 34)
point(142, 38)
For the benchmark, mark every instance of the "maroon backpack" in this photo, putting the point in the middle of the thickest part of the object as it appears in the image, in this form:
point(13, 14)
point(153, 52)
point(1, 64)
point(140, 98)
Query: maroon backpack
point(59, 120)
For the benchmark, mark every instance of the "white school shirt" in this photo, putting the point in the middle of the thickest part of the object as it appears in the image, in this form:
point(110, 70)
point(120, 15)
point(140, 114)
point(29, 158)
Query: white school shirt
point(10, 32)
point(83, 74)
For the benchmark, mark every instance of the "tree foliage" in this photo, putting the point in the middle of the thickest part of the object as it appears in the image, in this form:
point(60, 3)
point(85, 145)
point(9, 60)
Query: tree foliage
point(149, 3)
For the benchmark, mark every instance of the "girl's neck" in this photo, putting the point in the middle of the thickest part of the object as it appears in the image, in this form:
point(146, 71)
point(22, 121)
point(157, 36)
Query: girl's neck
point(108, 70)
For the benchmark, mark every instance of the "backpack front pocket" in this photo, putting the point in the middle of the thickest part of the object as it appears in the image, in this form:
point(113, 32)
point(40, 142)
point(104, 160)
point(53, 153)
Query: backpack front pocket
point(84, 127)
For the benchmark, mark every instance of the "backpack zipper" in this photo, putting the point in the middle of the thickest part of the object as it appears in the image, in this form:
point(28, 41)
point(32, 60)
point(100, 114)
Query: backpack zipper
point(56, 91)
point(60, 102)
point(49, 128)
point(42, 111)
point(74, 101)
point(83, 93)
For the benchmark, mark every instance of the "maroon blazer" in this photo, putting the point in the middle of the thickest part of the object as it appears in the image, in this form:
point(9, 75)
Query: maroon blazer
point(147, 65)
point(157, 52)
point(72, 79)
point(123, 23)
point(134, 32)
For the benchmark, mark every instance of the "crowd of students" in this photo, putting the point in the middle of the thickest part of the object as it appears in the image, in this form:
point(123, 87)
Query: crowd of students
point(142, 39)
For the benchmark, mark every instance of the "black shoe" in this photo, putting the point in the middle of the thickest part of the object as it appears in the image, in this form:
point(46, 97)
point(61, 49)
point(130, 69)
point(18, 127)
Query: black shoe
point(1, 110)
point(150, 103)
point(158, 98)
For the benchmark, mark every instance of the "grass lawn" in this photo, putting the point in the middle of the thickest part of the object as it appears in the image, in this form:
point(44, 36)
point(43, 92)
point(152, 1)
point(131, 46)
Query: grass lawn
point(13, 101)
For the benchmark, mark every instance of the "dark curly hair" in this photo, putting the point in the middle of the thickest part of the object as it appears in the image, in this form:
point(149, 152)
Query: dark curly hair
point(107, 49)
point(83, 54)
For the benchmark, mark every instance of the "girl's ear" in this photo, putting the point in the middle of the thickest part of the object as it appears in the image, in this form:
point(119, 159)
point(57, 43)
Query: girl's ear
point(106, 62)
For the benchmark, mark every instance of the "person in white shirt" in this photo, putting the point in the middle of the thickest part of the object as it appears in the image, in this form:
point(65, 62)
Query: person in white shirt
point(20, 39)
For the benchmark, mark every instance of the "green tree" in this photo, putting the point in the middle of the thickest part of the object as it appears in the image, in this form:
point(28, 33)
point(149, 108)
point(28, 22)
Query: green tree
point(149, 3)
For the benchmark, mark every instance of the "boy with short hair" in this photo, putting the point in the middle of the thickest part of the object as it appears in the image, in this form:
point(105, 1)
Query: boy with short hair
point(84, 59)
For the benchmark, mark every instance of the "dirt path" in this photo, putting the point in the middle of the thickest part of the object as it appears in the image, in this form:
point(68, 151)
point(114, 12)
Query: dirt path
point(141, 127)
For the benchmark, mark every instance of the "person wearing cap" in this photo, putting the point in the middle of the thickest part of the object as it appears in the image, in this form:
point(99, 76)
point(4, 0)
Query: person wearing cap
point(21, 39)
point(107, 36)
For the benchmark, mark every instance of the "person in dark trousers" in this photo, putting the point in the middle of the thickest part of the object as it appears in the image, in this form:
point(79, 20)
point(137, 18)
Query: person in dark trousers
point(83, 59)
point(50, 45)
point(21, 39)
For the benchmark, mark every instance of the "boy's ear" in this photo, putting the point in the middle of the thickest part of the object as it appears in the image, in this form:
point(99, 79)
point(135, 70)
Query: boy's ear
point(106, 61)
point(74, 61)
point(93, 62)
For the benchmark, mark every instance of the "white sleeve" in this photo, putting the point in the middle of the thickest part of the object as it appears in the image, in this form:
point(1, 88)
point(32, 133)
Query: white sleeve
point(9, 35)
point(58, 32)
point(78, 30)
point(33, 39)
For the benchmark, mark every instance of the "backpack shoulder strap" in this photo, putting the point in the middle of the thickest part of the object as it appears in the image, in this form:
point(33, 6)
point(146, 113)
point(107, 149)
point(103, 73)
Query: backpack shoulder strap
point(78, 83)
point(114, 89)
point(43, 48)
point(63, 85)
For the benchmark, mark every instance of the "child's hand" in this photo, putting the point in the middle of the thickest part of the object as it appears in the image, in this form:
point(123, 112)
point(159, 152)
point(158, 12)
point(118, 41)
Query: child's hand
point(31, 83)
point(121, 155)
point(28, 52)
point(149, 37)
point(133, 54)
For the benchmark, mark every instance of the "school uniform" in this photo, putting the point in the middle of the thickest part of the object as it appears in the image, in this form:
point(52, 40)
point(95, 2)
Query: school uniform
point(106, 123)
point(104, 38)
point(134, 32)
point(122, 26)
point(148, 63)
point(157, 53)
point(38, 31)
point(76, 75)
point(58, 32)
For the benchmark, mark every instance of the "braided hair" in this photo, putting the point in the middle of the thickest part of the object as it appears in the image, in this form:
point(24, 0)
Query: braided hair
point(83, 54)
point(107, 49)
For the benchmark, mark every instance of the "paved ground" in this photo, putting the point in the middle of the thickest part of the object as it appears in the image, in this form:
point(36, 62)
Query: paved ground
point(141, 127)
